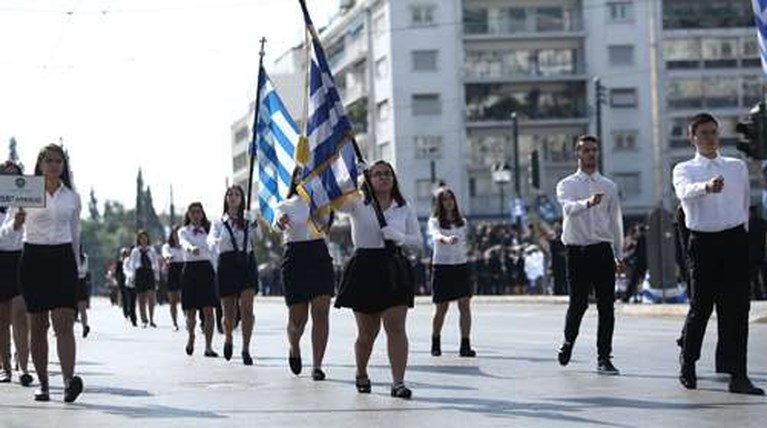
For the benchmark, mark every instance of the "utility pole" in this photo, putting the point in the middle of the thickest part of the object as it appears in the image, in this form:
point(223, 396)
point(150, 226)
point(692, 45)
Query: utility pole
point(600, 98)
point(515, 139)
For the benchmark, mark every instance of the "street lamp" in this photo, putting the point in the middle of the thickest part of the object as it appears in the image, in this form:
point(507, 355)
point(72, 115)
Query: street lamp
point(501, 175)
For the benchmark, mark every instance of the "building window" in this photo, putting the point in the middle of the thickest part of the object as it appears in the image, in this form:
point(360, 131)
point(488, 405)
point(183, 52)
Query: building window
point(475, 21)
point(422, 14)
point(682, 53)
point(424, 60)
point(620, 11)
point(629, 184)
point(685, 93)
point(240, 161)
point(241, 134)
point(428, 147)
point(384, 110)
point(720, 52)
point(625, 140)
point(426, 104)
point(620, 55)
point(623, 97)
point(681, 14)
point(382, 67)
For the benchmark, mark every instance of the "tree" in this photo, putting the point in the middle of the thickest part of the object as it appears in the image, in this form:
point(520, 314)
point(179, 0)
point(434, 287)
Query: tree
point(93, 207)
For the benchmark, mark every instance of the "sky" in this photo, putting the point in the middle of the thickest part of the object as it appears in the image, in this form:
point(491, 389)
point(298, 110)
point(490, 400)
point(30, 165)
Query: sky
point(154, 84)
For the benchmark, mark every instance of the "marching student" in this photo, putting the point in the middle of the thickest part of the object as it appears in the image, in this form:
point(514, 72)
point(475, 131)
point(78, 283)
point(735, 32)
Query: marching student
point(83, 292)
point(13, 313)
point(173, 256)
point(198, 287)
point(307, 277)
point(48, 271)
point(378, 280)
point(450, 273)
point(145, 266)
point(237, 273)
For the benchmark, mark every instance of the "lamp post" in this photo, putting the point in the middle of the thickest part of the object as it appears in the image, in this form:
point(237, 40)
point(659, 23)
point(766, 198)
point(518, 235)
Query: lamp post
point(501, 176)
point(515, 137)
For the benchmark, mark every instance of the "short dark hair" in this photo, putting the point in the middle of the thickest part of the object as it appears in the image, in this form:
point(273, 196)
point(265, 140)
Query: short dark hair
point(585, 138)
point(700, 119)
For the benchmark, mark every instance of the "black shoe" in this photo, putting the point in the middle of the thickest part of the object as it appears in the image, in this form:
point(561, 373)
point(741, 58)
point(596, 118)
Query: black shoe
point(246, 358)
point(606, 367)
point(295, 365)
point(318, 374)
point(436, 350)
point(152, 324)
point(73, 389)
point(363, 384)
point(86, 330)
point(743, 385)
point(42, 395)
point(465, 350)
point(5, 377)
point(211, 353)
point(227, 351)
point(401, 391)
point(565, 352)
point(26, 379)
point(687, 376)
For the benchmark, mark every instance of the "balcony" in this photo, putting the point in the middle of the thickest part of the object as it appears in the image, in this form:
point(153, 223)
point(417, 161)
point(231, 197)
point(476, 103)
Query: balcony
point(522, 22)
point(549, 102)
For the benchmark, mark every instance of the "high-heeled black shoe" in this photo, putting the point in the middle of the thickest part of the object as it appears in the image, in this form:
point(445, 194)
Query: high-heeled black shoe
point(246, 358)
point(211, 353)
point(73, 389)
point(228, 349)
point(399, 390)
point(41, 394)
point(295, 365)
point(363, 384)
point(26, 379)
point(318, 374)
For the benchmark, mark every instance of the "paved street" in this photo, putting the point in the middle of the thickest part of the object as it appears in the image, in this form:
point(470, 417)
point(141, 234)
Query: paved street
point(141, 377)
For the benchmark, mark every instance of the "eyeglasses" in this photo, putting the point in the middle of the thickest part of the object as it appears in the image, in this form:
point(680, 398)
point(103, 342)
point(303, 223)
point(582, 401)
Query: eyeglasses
point(380, 174)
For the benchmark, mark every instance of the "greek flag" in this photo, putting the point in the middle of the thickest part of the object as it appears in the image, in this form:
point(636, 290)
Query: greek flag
point(760, 12)
point(276, 139)
point(327, 152)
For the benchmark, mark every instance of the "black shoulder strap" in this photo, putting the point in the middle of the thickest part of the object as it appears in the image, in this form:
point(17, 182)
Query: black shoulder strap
point(234, 241)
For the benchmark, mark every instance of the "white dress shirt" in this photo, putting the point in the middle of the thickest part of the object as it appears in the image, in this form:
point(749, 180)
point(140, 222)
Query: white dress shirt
point(191, 240)
point(57, 223)
point(134, 261)
point(221, 242)
point(172, 254)
point(128, 272)
point(366, 233)
point(584, 225)
point(297, 230)
point(713, 212)
point(447, 254)
point(10, 238)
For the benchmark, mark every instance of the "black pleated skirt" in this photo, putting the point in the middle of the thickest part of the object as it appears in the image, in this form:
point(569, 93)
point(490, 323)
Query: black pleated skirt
point(307, 271)
point(450, 282)
point(236, 272)
point(48, 277)
point(144, 280)
point(174, 276)
point(9, 275)
point(374, 280)
point(198, 287)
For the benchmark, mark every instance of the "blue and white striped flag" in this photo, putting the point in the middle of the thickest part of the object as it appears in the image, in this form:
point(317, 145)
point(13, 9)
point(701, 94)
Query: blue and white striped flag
point(760, 12)
point(326, 152)
point(276, 140)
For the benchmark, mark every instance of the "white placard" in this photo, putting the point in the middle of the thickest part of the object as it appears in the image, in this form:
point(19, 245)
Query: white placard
point(22, 191)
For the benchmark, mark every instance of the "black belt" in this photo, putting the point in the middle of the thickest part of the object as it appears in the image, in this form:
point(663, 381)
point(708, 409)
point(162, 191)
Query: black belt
point(736, 229)
point(589, 247)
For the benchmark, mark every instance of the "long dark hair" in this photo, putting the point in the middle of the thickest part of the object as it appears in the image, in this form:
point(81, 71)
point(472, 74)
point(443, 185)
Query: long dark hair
point(440, 213)
point(173, 236)
point(145, 234)
point(241, 209)
point(66, 174)
point(395, 192)
point(188, 220)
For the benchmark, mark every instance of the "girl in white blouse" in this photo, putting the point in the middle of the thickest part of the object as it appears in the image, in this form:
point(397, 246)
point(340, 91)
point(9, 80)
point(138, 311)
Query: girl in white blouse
point(48, 271)
point(13, 312)
point(450, 272)
point(378, 279)
point(145, 266)
point(307, 277)
point(198, 288)
point(237, 274)
point(173, 256)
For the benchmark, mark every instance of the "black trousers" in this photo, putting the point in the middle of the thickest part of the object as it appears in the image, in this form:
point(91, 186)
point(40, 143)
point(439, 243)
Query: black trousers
point(129, 303)
point(591, 268)
point(719, 274)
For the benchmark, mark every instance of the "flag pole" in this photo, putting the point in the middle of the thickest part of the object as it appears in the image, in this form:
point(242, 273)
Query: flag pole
point(252, 147)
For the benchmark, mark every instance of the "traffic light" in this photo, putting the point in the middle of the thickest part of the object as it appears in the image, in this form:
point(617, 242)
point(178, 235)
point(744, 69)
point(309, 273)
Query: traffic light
point(535, 170)
point(754, 130)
